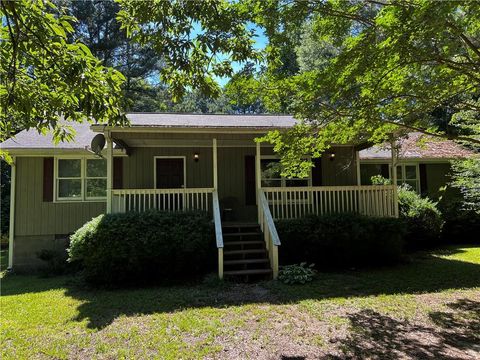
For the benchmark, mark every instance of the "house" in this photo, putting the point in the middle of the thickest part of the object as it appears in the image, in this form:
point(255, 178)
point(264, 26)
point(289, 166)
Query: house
point(178, 162)
point(423, 162)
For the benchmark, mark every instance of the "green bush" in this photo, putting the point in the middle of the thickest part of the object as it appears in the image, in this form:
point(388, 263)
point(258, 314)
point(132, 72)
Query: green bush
point(423, 219)
point(462, 224)
point(144, 247)
point(341, 240)
point(55, 262)
point(296, 274)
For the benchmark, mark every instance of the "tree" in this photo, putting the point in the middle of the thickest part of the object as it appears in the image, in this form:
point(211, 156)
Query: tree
point(44, 76)
point(198, 40)
point(98, 28)
point(398, 64)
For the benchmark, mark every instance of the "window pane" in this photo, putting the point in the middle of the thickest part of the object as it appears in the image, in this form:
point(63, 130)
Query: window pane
point(96, 188)
point(69, 168)
point(270, 169)
point(68, 188)
point(399, 173)
point(272, 183)
point(296, 182)
point(412, 184)
point(96, 168)
point(410, 172)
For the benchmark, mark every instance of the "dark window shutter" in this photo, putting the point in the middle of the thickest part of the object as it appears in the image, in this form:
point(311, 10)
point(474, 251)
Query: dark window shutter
point(384, 171)
point(423, 179)
point(117, 173)
point(317, 172)
point(48, 179)
point(250, 180)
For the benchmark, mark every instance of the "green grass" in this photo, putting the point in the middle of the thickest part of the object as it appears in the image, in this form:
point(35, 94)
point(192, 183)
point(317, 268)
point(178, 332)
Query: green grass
point(368, 313)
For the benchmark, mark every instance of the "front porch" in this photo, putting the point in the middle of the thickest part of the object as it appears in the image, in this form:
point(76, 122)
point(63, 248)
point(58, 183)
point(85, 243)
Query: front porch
point(233, 189)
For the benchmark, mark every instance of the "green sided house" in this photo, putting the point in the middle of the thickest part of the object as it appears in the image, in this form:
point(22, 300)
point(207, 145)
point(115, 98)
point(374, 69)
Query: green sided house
point(177, 162)
point(423, 162)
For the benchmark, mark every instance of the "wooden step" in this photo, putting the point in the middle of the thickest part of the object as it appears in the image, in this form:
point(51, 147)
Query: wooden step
point(252, 242)
point(245, 261)
point(242, 234)
point(239, 225)
point(248, 272)
point(241, 252)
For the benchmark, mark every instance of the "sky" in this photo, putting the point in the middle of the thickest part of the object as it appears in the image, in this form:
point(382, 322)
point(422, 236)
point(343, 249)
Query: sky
point(261, 42)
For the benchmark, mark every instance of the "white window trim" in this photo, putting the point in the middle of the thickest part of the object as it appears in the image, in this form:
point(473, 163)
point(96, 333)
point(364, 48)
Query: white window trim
point(184, 158)
point(83, 178)
point(417, 174)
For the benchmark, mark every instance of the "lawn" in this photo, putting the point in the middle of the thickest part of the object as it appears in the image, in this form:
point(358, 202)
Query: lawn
point(426, 308)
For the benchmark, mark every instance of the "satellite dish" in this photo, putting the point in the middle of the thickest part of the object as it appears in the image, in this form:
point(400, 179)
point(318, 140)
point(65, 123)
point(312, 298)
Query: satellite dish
point(98, 143)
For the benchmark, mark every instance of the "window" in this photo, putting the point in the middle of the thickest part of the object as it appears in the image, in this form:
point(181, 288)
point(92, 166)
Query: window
point(69, 182)
point(408, 174)
point(96, 178)
point(81, 179)
point(271, 176)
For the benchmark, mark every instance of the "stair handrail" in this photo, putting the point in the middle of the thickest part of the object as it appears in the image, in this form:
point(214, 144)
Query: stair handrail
point(218, 231)
point(272, 240)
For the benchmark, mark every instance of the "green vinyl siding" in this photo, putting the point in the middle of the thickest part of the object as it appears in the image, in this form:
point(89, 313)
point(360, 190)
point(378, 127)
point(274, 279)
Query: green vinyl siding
point(33, 216)
point(437, 176)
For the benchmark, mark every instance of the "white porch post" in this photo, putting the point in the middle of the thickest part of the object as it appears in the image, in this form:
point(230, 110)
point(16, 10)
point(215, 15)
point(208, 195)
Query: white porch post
point(357, 157)
point(11, 229)
point(394, 177)
point(258, 175)
point(109, 171)
point(215, 169)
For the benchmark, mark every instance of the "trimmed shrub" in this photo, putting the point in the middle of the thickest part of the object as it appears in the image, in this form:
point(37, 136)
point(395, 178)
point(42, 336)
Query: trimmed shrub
point(341, 240)
point(462, 225)
point(144, 247)
point(423, 219)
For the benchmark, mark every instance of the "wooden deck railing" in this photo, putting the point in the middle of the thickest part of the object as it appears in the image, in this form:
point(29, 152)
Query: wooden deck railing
point(218, 232)
point(161, 199)
point(295, 202)
point(270, 235)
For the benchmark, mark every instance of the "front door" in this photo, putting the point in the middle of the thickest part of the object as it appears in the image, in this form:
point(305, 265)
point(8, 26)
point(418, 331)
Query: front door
point(170, 173)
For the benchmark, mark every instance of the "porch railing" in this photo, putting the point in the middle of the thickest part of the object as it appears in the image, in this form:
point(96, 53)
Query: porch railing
point(369, 200)
point(140, 200)
point(218, 232)
point(270, 235)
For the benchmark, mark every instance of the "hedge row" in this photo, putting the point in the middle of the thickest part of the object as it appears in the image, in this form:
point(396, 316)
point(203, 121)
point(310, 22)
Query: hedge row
point(135, 248)
point(341, 240)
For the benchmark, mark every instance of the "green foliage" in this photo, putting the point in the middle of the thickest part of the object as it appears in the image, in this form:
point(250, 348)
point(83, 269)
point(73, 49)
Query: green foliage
point(243, 92)
point(461, 224)
point(197, 40)
point(380, 180)
point(145, 247)
point(341, 240)
point(43, 75)
point(296, 273)
point(368, 70)
point(423, 219)
point(466, 178)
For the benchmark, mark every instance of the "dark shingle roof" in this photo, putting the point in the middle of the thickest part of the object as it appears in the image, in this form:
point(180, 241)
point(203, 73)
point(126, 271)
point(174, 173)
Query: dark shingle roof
point(31, 139)
point(419, 146)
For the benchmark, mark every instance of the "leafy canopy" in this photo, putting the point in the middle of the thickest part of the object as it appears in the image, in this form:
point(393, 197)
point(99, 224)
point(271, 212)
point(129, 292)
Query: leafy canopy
point(45, 77)
point(376, 66)
point(198, 40)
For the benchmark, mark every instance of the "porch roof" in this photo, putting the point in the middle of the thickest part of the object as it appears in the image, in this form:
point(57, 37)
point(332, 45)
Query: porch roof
point(31, 140)
point(418, 146)
point(205, 121)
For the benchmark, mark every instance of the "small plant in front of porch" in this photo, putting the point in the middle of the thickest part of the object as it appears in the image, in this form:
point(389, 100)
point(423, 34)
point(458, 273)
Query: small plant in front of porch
point(297, 273)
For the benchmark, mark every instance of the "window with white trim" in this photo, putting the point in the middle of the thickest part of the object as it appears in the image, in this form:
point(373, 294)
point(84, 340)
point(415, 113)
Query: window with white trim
point(271, 176)
point(80, 179)
point(408, 174)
